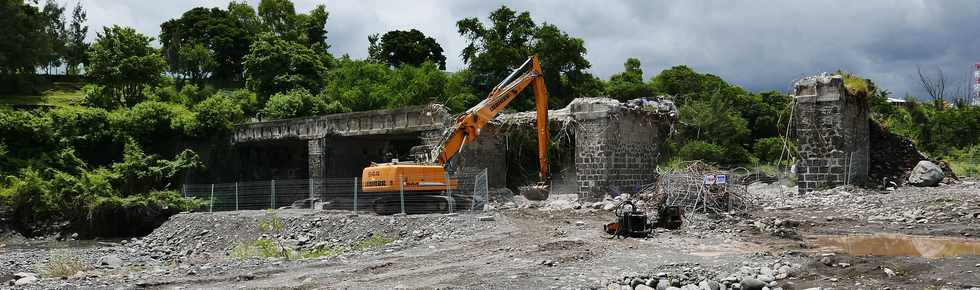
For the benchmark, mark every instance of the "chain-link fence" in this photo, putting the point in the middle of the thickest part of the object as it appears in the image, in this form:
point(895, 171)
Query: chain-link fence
point(465, 191)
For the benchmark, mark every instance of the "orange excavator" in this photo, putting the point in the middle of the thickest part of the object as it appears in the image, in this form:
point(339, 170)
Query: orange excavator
point(424, 184)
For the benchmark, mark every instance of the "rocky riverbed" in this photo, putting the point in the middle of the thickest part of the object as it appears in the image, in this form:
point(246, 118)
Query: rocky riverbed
point(786, 241)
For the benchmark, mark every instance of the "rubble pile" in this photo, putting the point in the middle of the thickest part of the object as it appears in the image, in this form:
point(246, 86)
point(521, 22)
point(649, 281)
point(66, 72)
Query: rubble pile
point(892, 157)
point(193, 235)
point(693, 277)
point(908, 205)
point(783, 228)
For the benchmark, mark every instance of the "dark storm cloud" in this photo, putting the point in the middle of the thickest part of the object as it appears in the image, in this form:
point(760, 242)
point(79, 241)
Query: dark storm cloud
point(760, 45)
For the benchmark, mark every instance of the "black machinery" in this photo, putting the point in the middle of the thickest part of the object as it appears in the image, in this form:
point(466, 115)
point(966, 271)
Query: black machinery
point(631, 222)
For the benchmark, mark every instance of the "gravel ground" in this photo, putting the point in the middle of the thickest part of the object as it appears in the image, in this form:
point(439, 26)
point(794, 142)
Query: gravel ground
point(554, 245)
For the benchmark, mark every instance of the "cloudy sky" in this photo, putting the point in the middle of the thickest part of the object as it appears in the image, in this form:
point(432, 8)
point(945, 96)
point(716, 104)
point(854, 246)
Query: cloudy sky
point(760, 45)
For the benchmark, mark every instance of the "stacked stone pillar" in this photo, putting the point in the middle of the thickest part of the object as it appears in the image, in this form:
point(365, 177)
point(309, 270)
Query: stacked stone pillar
point(831, 130)
point(317, 161)
point(615, 149)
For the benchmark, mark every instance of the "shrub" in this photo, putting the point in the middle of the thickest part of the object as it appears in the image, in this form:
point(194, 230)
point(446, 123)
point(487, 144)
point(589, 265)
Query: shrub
point(966, 161)
point(217, 115)
point(62, 264)
point(699, 150)
point(150, 120)
point(299, 103)
point(246, 99)
point(97, 96)
point(260, 248)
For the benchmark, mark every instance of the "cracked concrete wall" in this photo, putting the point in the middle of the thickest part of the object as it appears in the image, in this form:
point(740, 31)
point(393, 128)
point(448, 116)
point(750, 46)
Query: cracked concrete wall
point(831, 130)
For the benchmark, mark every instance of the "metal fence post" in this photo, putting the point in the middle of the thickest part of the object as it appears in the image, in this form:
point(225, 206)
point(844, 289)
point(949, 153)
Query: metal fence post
point(183, 190)
point(272, 197)
point(236, 195)
point(211, 207)
point(355, 195)
point(401, 191)
point(449, 193)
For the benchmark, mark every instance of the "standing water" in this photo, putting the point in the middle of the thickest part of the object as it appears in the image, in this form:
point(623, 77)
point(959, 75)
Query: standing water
point(898, 245)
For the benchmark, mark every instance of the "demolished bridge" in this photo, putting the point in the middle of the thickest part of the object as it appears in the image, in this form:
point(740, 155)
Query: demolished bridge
point(605, 145)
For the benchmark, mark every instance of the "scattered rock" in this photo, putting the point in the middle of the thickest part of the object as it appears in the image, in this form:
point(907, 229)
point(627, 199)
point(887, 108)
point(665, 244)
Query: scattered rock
point(25, 281)
point(752, 284)
point(889, 272)
point(486, 218)
point(926, 173)
point(111, 261)
point(663, 284)
point(642, 287)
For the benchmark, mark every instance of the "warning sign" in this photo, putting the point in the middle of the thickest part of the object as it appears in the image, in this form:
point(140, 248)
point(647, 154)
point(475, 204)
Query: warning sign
point(709, 179)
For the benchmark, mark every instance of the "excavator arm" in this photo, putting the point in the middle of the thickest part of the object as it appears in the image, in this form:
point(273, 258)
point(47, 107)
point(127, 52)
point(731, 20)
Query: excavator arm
point(469, 124)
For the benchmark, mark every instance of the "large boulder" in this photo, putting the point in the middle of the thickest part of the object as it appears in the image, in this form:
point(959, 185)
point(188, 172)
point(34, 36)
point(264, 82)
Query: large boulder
point(926, 173)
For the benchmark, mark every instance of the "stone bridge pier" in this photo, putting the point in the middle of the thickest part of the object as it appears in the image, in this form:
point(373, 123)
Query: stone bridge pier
point(831, 130)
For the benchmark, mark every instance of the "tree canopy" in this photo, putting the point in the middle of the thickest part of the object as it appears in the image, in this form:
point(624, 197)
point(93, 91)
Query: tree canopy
point(496, 48)
point(225, 37)
point(399, 47)
point(277, 65)
point(629, 84)
point(123, 61)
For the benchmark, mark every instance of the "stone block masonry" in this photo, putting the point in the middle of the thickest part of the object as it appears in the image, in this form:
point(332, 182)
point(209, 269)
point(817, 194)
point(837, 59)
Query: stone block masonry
point(831, 130)
point(616, 144)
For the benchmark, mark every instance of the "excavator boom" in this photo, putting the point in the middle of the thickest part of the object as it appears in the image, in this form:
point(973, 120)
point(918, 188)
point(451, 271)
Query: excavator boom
point(426, 181)
point(469, 124)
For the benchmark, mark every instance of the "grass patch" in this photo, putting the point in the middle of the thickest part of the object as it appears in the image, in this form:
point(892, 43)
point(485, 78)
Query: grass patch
point(373, 242)
point(56, 96)
point(270, 249)
point(261, 248)
point(63, 265)
point(271, 222)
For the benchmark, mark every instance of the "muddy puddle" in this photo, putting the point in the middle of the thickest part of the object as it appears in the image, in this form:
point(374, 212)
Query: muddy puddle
point(896, 245)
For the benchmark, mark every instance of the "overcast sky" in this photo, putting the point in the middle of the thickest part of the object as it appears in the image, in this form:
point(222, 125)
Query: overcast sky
point(759, 45)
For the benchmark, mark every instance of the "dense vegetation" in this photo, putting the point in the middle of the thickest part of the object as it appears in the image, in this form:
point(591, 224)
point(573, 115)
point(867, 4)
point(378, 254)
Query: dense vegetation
point(118, 151)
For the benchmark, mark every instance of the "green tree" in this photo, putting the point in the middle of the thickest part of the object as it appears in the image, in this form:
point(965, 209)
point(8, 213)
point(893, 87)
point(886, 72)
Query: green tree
point(278, 16)
point(217, 115)
point(315, 25)
point(410, 85)
point(357, 84)
point(225, 35)
point(24, 45)
point(276, 65)
point(411, 47)
point(506, 42)
point(76, 47)
point(629, 84)
point(123, 61)
point(717, 122)
point(244, 98)
point(55, 34)
point(246, 16)
point(196, 62)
